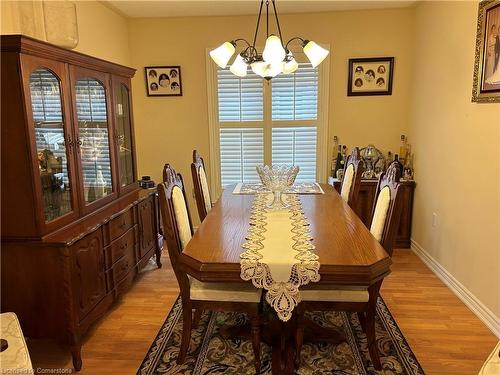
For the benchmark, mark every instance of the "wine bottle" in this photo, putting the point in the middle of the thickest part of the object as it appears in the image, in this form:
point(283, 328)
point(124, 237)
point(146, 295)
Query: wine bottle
point(339, 163)
point(402, 149)
point(334, 158)
point(401, 168)
point(408, 165)
point(344, 154)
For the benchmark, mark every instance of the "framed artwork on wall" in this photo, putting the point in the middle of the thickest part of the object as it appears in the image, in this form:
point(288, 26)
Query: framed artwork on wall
point(163, 80)
point(486, 81)
point(370, 76)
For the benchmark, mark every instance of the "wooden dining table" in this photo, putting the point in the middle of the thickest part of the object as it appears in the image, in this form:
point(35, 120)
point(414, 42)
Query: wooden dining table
point(347, 251)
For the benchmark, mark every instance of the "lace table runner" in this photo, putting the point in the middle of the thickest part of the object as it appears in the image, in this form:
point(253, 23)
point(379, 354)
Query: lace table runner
point(298, 188)
point(278, 254)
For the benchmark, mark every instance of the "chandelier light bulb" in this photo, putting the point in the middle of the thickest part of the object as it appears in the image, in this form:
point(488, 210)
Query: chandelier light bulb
point(315, 53)
point(222, 54)
point(273, 51)
point(239, 67)
point(291, 65)
point(266, 70)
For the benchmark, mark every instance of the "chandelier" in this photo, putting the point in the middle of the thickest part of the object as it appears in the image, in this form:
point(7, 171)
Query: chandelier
point(276, 58)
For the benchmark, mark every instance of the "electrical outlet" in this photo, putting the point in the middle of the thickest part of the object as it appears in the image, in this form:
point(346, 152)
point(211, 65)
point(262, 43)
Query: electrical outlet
point(434, 219)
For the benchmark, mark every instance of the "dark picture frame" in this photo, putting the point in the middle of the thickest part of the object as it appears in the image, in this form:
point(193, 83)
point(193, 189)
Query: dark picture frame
point(163, 80)
point(486, 79)
point(369, 76)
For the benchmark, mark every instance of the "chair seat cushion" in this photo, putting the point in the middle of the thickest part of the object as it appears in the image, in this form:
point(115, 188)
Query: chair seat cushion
point(327, 293)
point(224, 292)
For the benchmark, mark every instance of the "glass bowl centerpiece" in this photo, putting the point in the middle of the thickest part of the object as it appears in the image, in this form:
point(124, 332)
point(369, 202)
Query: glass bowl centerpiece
point(277, 178)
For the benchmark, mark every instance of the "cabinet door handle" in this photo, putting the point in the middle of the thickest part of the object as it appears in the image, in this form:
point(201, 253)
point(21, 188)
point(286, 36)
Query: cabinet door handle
point(124, 246)
point(78, 142)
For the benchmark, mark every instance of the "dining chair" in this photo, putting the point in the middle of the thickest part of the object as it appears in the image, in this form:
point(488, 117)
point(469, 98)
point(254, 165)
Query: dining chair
point(200, 182)
point(318, 297)
point(197, 295)
point(351, 181)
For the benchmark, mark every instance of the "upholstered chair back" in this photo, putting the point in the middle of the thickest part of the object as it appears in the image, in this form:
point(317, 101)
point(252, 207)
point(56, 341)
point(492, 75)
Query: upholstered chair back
point(351, 181)
point(387, 208)
point(200, 182)
point(177, 226)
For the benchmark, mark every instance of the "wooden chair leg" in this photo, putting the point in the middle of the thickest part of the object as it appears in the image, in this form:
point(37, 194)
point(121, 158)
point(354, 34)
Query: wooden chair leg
point(362, 320)
point(187, 318)
point(373, 290)
point(255, 330)
point(299, 334)
point(197, 317)
point(372, 339)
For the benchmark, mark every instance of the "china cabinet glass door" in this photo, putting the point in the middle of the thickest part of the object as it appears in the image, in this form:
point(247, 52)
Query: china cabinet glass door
point(93, 139)
point(124, 136)
point(50, 140)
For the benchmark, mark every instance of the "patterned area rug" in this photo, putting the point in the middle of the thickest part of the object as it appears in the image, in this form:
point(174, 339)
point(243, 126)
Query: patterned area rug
point(210, 354)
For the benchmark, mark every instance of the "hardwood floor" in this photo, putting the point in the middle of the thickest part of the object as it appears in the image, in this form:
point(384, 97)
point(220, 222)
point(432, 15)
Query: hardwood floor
point(444, 334)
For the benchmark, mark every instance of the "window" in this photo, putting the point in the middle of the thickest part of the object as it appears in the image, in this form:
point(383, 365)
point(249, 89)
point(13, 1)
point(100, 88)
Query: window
point(256, 122)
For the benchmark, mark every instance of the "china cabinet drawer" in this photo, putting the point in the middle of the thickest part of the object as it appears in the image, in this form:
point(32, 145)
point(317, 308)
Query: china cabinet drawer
point(123, 266)
point(119, 225)
point(120, 247)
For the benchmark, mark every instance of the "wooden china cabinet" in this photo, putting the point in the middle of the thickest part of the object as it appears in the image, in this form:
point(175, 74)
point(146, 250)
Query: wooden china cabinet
point(76, 228)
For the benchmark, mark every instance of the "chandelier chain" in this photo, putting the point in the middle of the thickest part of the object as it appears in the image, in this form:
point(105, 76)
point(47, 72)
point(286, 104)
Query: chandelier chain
point(258, 23)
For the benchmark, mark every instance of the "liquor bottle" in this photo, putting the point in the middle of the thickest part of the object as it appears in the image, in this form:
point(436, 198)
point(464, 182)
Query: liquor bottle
point(401, 167)
point(408, 165)
point(339, 162)
point(344, 155)
point(402, 149)
point(334, 157)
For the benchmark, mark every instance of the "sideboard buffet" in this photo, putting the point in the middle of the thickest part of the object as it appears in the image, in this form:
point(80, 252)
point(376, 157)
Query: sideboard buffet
point(76, 228)
point(364, 206)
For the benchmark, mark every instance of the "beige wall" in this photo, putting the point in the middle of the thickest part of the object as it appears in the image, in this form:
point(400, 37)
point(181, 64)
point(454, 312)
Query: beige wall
point(457, 152)
point(169, 128)
point(102, 32)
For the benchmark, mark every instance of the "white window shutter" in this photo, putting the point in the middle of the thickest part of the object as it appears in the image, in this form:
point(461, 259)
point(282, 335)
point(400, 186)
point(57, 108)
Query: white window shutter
point(296, 146)
point(295, 96)
point(240, 99)
point(241, 150)
point(292, 98)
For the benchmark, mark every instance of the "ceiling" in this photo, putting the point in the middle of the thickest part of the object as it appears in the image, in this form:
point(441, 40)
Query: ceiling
point(179, 8)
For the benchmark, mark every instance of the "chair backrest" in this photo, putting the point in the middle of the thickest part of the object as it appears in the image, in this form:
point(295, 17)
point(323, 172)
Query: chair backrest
point(200, 182)
point(351, 181)
point(387, 207)
point(177, 226)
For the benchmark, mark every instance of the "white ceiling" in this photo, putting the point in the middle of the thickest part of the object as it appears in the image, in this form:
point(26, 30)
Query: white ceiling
point(179, 8)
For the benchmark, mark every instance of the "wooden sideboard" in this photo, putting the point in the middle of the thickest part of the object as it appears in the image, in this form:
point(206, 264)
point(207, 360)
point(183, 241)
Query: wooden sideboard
point(76, 228)
point(364, 207)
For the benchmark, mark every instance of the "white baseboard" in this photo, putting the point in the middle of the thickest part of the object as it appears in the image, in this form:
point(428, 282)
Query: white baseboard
point(476, 306)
